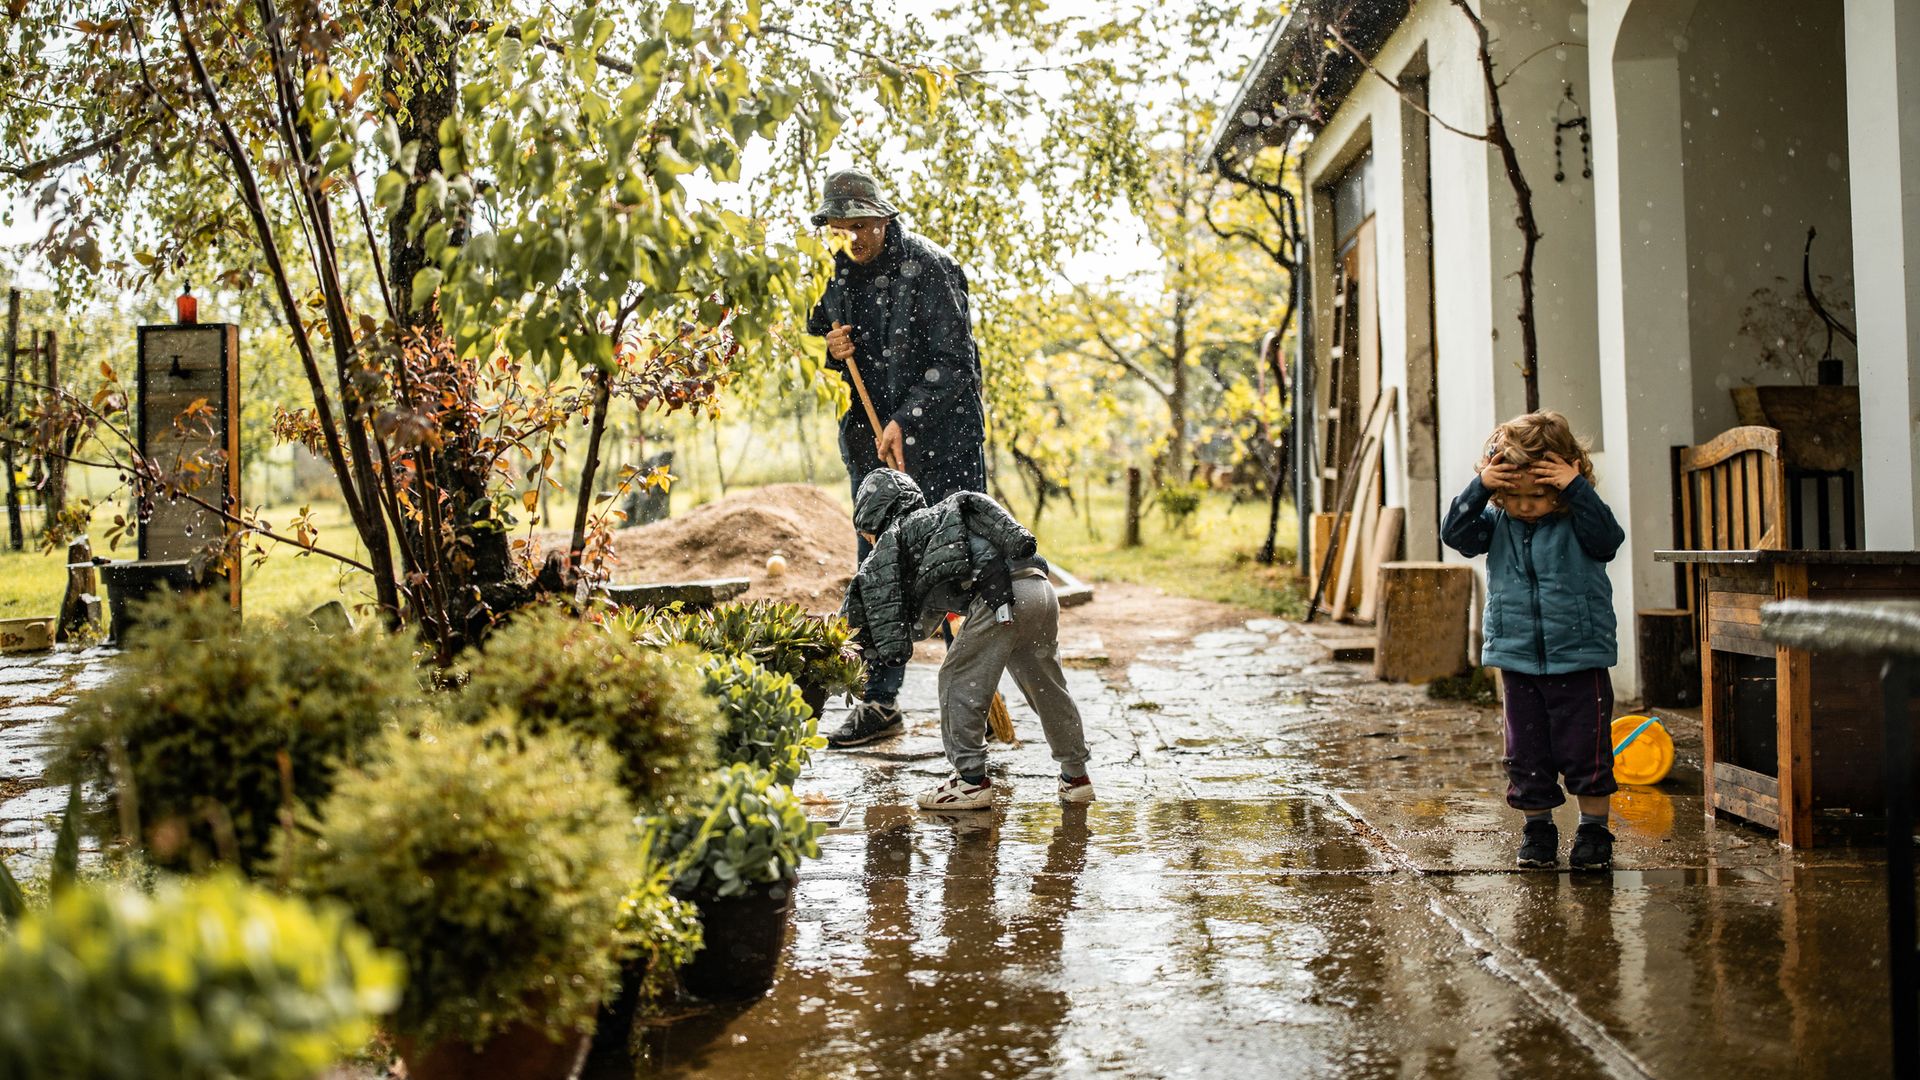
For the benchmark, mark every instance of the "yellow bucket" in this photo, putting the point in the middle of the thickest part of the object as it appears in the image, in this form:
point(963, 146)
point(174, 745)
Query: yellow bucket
point(1642, 750)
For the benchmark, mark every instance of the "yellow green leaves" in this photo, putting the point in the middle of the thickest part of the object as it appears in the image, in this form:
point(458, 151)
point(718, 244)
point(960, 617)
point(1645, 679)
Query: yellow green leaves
point(677, 23)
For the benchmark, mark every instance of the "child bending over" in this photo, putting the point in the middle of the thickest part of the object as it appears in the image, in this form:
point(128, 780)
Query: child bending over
point(1549, 625)
point(965, 554)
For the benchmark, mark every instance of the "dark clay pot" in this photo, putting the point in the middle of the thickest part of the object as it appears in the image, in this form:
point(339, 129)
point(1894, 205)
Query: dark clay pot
point(744, 937)
point(522, 1052)
point(816, 699)
point(614, 1028)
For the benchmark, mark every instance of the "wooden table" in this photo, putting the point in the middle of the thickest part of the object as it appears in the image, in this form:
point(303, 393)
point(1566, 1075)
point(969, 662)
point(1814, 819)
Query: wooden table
point(1792, 733)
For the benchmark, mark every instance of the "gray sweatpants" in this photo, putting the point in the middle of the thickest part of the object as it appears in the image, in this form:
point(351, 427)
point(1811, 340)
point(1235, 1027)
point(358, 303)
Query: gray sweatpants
point(1029, 648)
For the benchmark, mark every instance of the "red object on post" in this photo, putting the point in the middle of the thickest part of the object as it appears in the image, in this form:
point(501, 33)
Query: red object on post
point(186, 308)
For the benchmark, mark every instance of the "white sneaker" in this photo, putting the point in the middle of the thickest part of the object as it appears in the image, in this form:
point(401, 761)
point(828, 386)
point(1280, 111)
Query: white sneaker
point(1076, 793)
point(957, 794)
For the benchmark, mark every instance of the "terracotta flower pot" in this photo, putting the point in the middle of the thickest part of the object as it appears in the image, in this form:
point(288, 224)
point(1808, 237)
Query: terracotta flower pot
point(522, 1052)
point(744, 938)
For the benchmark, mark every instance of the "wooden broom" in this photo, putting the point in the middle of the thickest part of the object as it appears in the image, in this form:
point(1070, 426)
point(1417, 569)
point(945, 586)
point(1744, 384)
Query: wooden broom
point(999, 721)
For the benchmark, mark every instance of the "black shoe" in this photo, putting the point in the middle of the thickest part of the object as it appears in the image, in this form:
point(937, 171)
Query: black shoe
point(1592, 848)
point(1539, 845)
point(866, 722)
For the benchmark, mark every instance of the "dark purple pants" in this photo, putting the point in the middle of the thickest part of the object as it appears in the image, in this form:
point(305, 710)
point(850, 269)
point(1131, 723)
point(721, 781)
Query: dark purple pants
point(1558, 725)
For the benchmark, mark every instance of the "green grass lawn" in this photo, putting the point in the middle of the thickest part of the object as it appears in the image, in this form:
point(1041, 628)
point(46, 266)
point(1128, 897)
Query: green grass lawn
point(1210, 557)
point(31, 583)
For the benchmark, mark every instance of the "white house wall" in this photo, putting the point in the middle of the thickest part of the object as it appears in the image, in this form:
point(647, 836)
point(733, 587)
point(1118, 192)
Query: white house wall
point(1764, 137)
point(1883, 105)
point(1475, 247)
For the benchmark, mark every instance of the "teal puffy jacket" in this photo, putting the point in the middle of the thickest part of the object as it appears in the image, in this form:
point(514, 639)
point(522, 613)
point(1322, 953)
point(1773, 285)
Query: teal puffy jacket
point(1549, 603)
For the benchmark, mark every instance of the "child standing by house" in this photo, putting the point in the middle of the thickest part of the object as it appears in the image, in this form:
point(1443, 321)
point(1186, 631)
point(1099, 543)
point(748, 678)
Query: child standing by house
point(1549, 626)
point(965, 554)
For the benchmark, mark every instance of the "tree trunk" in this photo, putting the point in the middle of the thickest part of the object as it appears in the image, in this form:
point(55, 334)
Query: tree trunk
point(12, 347)
point(1277, 365)
point(55, 499)
point(1177, 400)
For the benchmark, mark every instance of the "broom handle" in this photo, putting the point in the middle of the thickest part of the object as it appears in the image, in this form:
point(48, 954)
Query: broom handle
point(873, 418)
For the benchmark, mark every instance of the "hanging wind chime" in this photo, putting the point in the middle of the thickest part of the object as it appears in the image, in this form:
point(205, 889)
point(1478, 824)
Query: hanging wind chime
point(1560, 128)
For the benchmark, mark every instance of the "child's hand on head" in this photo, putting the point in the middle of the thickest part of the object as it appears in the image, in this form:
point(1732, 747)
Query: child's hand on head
point(1497, 475)
point(1554, 471)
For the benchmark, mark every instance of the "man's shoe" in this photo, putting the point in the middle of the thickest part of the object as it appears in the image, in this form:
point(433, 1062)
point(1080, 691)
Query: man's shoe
point(1539, 845)
point(1592, 848)
point(956, 794)
point(1078, 789)
point(866, 722)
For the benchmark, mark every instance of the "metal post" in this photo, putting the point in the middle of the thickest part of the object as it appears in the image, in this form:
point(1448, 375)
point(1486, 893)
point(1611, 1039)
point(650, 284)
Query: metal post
point(1903, 965)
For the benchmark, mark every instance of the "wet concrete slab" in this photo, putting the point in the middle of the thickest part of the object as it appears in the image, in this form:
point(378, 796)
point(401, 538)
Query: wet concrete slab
point(1158, 938)
point(1292, 871)
point(1741, 971)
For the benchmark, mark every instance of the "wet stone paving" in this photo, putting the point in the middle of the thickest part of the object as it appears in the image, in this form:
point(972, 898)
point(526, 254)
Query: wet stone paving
point(35, 689)
point(1291, 871)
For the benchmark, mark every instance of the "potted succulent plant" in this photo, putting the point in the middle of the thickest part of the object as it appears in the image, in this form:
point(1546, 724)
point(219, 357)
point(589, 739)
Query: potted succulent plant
point(816, 651)
point(768, 721)
point(205, 978)
point(212, 734)
point(495, 862)
point(560, 673)
point(738, 845)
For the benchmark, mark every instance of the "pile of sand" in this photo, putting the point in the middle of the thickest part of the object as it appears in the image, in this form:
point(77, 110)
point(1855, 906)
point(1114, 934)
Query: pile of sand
point(734, 536)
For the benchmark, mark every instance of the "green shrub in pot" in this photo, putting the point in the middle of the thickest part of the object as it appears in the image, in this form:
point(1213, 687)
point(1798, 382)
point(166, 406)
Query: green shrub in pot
point(205, 978)
point(561, 673)
point(816, 651)
point(741, 830)
point(205, 731)
point(495, 862)
point(768, 722)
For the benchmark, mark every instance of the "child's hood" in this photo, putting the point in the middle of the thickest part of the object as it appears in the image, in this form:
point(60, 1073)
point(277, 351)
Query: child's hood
point(885, 496)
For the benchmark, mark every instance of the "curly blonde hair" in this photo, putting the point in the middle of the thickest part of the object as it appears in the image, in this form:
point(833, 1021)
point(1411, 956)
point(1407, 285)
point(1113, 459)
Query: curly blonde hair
point(1526, 439)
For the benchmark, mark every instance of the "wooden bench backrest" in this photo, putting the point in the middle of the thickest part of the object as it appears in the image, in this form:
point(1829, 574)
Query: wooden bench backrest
point(1733, 492)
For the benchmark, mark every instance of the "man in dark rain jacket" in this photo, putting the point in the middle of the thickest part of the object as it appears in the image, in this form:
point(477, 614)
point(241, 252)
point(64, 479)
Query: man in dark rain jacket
point(897, 307)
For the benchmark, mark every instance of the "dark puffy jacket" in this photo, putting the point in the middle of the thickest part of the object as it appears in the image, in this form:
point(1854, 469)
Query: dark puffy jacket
point(926, 561)
point(913, 341)
point(1549, 602)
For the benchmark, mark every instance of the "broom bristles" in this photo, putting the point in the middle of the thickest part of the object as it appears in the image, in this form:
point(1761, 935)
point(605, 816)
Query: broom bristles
point(1000, 720)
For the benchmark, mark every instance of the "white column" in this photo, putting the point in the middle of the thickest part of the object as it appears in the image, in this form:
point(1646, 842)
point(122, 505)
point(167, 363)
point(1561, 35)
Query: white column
point(1883, 150)
point(1639, 198)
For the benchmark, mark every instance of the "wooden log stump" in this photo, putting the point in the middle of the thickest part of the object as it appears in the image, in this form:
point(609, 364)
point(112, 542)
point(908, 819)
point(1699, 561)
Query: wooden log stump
point(80, 607)
point(1423, 619)
point(1669, 657)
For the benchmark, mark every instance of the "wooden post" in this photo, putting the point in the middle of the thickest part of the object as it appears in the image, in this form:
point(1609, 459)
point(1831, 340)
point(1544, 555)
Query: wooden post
point(80, 607)
point(1793, 679)
point(1133, 506)
point(12, 348)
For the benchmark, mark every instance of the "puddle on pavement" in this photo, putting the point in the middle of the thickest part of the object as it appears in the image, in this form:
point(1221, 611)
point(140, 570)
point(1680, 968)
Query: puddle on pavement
point(1158, 938)
point(1679, 965)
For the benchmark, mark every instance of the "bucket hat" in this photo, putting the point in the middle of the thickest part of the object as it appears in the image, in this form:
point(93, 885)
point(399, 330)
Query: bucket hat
point(851, 193)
